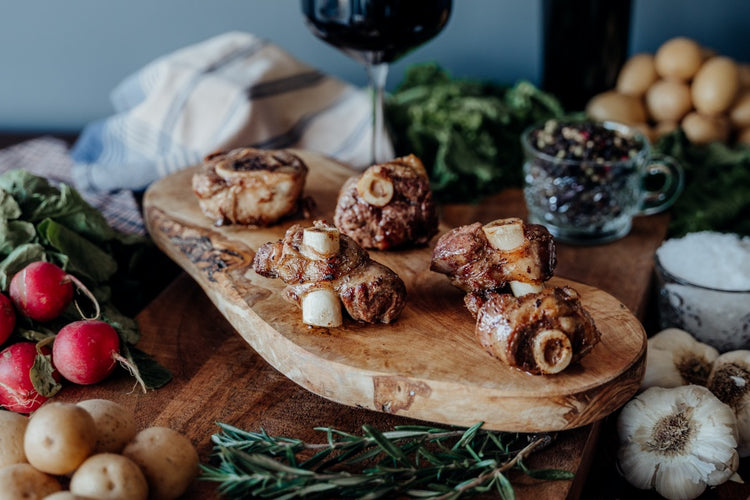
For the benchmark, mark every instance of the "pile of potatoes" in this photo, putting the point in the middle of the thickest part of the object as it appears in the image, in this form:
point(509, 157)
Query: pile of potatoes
point(685, 85)
point(94, 448)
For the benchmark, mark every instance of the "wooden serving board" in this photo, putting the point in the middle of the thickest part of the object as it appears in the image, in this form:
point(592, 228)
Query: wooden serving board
point(428, 364)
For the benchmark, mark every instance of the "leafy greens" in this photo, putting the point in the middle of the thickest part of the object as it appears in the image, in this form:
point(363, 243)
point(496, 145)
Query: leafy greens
point(717, 186)
point(467, 133)
point(41, 221)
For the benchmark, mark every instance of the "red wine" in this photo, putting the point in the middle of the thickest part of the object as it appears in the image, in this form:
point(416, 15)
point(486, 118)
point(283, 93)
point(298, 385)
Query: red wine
point(376, 31)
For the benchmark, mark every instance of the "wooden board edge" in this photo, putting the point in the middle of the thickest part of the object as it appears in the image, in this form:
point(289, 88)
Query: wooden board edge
point(383, 392)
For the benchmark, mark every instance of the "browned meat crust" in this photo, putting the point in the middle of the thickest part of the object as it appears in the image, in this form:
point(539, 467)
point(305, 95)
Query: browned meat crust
point(506, 325)
point(408, 218)
point(250, 186)
point(369, 291)
point(465, 255)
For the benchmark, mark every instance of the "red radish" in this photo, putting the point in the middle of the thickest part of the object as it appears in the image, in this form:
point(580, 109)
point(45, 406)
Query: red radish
point(86, 352)
point(17, 392)
point(7, 318)
point(41, 291)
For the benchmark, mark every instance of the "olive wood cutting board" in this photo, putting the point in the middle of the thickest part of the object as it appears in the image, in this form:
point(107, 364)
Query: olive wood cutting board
point(428, 364)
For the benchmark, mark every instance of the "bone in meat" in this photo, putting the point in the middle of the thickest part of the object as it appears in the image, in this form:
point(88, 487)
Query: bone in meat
point(472, 263)
point(369, 291)
point(250, 186)
point(541, 333)
point(388, 206)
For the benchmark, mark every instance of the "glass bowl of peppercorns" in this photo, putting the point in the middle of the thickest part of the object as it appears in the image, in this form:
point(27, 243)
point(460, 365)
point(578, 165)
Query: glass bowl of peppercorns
point(585, 180)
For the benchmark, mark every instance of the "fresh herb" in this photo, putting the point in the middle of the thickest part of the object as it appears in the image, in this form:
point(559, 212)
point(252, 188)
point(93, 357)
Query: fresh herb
point(42, 221)
point(717, 186)
point(466, 132)
point(410, 461)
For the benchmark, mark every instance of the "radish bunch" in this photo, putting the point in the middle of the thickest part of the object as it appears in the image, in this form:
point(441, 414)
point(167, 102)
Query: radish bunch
point(7, 318)
point(83, 352)
point(17, 392)
point(86, 352)
point(41, 291)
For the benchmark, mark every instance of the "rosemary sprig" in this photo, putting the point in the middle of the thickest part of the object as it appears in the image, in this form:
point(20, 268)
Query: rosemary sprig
point(409, 461)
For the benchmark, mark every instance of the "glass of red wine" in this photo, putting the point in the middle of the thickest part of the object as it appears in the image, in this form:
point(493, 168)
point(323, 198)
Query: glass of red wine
point(376, 33)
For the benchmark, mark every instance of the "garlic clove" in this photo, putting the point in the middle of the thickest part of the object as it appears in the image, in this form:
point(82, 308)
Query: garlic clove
point(674, 358)
point(678, 481)
point(730, 382)
point(661, 370)
point(638, 471)
point(719, 476)
point(677, 440)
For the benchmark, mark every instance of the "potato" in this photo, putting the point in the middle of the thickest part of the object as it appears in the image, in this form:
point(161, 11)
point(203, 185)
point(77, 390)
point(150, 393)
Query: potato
point(743, 136)
point(616, 107)
point(12, 429)
point(636, 75)
point(702, 129)
point(678, 59)
point(115, 425)
point(739, 114)
point(109, 476)
point(24, 481)
point(668, 100)
point(715, 86)
point(167, 458)
point(59, 437)
point(744, 71)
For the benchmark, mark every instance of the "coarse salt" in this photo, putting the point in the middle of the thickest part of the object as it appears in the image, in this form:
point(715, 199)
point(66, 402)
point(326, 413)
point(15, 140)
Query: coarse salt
point(710, 259)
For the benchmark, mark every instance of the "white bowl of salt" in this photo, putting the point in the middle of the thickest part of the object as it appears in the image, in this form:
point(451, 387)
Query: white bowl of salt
point(704, 287)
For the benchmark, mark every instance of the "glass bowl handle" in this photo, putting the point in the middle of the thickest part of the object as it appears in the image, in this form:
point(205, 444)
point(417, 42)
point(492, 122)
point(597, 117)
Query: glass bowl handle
point(661, 198)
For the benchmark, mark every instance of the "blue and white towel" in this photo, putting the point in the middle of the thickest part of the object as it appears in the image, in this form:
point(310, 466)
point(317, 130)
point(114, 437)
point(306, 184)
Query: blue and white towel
point(229, 91)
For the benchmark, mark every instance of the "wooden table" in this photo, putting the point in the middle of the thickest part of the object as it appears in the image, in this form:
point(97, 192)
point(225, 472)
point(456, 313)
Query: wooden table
point(218, 377)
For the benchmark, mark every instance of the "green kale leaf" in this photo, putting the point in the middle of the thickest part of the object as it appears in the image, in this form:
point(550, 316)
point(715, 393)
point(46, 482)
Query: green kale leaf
point(42, 221)
point(467, 133)
point(717, 186)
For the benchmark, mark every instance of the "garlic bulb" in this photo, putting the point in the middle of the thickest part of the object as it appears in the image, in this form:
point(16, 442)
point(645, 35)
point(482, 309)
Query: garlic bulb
point(677, 441)
point(675, 358)
point(730, 382)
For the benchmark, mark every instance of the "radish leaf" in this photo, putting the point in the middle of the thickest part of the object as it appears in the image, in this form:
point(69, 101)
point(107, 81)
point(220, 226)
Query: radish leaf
point(41, 376)
point(152, 373)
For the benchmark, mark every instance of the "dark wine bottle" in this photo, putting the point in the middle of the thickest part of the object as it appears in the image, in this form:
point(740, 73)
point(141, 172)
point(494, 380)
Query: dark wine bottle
point(585, 45)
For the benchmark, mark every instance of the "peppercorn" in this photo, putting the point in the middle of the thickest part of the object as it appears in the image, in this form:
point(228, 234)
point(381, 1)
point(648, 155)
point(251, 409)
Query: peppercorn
point(584, 177)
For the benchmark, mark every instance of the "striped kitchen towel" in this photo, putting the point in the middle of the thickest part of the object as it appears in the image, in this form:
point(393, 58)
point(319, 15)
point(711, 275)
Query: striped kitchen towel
point(49, 157)
point(232, 90)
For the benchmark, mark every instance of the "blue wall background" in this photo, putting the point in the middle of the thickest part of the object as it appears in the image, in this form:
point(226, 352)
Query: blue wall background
point(60, 59)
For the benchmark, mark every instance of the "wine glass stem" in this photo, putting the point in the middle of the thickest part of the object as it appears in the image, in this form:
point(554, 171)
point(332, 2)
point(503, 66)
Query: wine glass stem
point(378, 74)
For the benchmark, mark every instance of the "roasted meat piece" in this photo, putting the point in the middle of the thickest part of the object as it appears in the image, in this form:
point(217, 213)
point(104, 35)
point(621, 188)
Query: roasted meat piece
point(388, 206)
point(536, 329)
point(324, 269)
point(503, 252)
point(541, 333)
point(250, 186)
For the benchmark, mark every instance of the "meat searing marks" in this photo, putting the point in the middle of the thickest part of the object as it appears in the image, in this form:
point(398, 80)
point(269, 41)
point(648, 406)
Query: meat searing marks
point(325, 270)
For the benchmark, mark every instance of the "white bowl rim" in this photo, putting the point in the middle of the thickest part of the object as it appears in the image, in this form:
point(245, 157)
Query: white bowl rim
point(659, 268)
